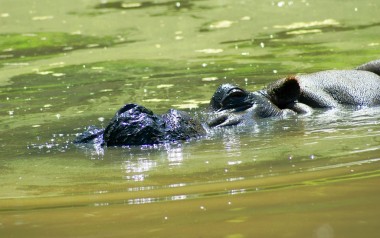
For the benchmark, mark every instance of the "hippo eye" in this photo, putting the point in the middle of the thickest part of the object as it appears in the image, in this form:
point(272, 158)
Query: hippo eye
point(234, 94)
point(233, 98)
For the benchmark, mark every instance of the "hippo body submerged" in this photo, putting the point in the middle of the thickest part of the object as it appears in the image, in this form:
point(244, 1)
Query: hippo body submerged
point(230, 105)
point(336, 87)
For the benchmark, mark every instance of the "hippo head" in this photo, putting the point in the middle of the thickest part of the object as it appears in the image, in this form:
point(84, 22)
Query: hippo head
point(136, 125)
point(133, 125)
point(232, 105)
point(229, 106)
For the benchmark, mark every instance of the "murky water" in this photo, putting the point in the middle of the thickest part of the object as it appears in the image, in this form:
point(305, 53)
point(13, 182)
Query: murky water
point(65, 65)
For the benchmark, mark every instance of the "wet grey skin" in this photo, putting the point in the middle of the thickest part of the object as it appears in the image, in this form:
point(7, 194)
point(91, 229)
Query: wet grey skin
point(136, 125)
point(299, 94)
point(231, 105)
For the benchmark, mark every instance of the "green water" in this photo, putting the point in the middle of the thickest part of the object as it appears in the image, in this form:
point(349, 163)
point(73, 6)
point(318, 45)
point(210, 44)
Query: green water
point(65, 65)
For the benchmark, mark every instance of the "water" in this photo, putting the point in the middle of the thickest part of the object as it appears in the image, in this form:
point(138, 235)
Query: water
point(66, 65)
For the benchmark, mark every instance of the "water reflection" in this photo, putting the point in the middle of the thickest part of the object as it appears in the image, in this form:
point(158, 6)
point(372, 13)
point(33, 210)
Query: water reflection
point(139, 201)
point(93, 151)
point(57, 143)
point(137, 170)
point(232, 145)
point(171, 5)
point(236, 191)
point(254, 47)
point(175, 156)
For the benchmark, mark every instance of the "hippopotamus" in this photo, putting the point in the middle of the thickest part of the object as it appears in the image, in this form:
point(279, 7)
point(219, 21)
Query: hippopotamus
point(231, 105)
point(297, 94)
point(136, 125)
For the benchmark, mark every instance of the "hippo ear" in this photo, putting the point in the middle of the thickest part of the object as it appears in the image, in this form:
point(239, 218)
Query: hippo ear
point(284, 91)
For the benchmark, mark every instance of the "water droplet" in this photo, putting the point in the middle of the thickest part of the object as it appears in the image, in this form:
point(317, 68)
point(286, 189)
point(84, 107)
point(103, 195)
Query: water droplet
point(281, 4)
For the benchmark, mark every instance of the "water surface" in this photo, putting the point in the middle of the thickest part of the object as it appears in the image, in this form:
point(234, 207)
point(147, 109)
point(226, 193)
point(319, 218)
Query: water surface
point(65, 65)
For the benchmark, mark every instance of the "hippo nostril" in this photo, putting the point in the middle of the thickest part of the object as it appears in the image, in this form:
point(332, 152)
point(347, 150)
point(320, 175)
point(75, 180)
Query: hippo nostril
point(133, 108)
point(127, 107)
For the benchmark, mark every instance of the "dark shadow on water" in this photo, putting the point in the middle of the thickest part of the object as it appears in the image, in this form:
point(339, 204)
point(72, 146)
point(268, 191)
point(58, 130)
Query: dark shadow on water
point(284, 35)
point(26, 47)
point(285, 41)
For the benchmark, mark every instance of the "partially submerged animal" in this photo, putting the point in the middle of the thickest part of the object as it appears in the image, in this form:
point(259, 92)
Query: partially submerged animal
point(136, 125)
point(298, 94)
point(231, 105)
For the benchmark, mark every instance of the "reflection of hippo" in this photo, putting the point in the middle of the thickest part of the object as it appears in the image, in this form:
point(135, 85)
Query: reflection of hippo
point(231, 105)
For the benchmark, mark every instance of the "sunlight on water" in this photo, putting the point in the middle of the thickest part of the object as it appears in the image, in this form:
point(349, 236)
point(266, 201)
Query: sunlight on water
point(135, 171)
point(65, 67)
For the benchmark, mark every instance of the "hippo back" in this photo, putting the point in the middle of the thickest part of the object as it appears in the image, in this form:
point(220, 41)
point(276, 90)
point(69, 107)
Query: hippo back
point(332, 88)
point(372, 66)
